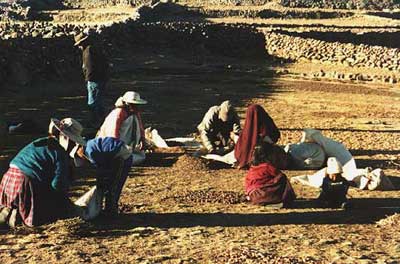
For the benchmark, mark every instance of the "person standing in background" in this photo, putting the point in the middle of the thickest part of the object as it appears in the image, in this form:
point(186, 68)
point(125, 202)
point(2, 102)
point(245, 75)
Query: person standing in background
point(96, 74)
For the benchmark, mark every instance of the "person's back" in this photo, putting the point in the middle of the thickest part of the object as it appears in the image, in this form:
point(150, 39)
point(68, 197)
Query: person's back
point(264, 183)
point(34, 188)
point(45, 162)
point(257, 124)
point(95, 64)
point(119, 124)
point(101, 151)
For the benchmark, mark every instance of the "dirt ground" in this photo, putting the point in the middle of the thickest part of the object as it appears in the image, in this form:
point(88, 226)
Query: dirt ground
point(181, 209)
point(172, 206)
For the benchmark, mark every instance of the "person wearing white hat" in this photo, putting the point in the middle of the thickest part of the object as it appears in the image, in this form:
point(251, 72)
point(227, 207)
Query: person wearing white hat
point(33, 190)
point(95, 72)
point(334, 186)
point(125, 123)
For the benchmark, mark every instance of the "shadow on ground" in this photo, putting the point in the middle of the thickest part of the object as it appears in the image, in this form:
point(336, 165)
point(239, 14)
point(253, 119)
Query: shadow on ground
point(124, 223)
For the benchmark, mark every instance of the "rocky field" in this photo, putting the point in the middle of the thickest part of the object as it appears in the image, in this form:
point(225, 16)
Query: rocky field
point(338, 74)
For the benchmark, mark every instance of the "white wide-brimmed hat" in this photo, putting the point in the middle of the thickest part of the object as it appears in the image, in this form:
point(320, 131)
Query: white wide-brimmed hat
point(70, 128)
point(132, 98)
point(334, 166)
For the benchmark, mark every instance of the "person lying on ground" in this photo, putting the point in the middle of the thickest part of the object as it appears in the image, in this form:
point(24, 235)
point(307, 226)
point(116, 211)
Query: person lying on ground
point(34, 189)
point(218, 128)
point(264, 183)
point(257, 124)
point(112, 159)
point(334, 186)
point(125, 123)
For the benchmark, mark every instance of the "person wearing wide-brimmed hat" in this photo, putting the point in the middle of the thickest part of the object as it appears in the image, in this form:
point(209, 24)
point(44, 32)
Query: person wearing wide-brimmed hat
point(125, 123)
point(33, 190)
point(96, 71)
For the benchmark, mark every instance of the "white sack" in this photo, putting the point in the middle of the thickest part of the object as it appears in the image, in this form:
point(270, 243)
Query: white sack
point(90, 204)
point(154, 138)
point(333, 148)
point(306, 155)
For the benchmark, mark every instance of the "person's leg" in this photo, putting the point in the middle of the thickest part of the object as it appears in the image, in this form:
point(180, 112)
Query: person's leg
point(122, 168)
point(4, 216)
point(104, 177)
point(95, 102)
point(138, 157)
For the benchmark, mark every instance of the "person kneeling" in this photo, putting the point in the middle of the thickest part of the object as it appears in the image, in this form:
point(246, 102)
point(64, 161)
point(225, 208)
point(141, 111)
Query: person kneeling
point(34, 189)
point(264, 183)
point(334, 186)
point(218, 129)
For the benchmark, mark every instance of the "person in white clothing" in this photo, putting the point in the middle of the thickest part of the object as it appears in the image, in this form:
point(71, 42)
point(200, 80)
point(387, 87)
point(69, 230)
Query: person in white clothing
point(125, 123)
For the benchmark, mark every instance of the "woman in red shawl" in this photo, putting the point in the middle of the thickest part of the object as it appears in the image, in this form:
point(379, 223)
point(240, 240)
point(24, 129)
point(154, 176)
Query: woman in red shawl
point(264, 183)
point(257, 124)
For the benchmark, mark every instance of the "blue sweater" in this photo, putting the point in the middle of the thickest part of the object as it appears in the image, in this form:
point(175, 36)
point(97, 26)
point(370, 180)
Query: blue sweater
point(46, 162)
point(101, 151)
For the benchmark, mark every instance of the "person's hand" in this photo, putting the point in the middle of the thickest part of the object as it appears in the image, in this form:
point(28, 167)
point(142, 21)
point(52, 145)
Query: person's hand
point(143, 144)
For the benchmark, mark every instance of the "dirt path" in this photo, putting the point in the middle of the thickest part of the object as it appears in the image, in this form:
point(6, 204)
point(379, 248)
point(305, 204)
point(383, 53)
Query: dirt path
point(172, 206)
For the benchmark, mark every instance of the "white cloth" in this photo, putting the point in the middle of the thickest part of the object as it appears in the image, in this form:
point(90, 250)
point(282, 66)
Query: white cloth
point(364, 180)
point(228, 158)
point(336, 149)
point(121, 125)
point(154, 138)
point(314, 180)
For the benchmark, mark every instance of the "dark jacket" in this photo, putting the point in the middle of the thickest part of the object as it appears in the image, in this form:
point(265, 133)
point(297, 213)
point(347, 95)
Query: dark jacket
point(94, 64)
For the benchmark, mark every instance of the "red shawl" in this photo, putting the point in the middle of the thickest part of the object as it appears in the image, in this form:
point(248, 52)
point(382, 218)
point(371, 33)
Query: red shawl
point(265, 184)
point(257, 124)
point(260, 176)
point(141, 127)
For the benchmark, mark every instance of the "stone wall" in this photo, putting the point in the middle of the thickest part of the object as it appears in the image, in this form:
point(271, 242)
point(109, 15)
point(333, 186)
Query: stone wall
point(313, 50)
point(41, 51)
point(343, 4)
point(270, 13)
point(372, 38)
point(102, 3)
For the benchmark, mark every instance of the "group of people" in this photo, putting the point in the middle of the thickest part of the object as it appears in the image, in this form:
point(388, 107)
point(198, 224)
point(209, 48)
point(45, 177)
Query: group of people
point(254, 148)
point(34, 189)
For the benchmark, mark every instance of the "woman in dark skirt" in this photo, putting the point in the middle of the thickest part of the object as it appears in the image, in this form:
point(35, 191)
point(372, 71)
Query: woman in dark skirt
point(34, 189)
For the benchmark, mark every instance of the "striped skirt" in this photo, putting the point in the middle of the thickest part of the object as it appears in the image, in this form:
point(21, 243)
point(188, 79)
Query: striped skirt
point(17, 192)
